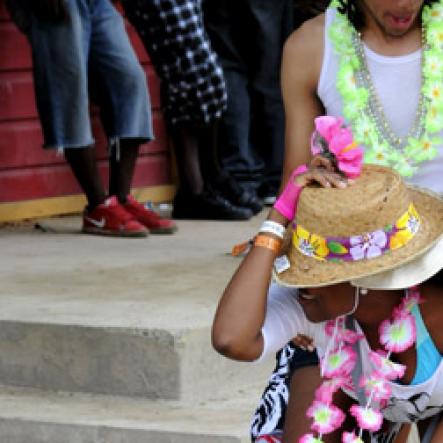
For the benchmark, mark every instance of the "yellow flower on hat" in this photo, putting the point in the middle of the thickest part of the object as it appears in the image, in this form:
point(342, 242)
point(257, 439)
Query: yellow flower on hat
point(310, 244)
point(407, 225)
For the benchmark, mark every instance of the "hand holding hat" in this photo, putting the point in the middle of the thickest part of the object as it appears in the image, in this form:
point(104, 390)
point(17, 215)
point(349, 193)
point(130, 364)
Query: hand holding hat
point(332, 144)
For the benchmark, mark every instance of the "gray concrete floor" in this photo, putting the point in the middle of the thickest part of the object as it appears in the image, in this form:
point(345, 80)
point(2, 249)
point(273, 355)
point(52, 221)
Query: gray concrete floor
point(47, 275)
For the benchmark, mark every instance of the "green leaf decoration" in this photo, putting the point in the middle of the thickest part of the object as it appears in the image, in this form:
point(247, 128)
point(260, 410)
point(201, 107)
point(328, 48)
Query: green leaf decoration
point(337, 248)
point(336, 260)
point(388, 228)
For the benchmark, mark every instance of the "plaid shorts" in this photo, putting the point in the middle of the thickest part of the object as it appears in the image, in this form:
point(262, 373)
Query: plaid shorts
point(172, 31)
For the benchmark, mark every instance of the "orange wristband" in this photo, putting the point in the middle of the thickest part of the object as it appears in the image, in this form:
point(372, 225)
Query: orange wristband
point(268, 242)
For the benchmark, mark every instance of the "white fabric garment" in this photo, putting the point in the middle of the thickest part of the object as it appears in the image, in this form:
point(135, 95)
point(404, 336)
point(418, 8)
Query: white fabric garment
point(285, 319)
point(397, 81)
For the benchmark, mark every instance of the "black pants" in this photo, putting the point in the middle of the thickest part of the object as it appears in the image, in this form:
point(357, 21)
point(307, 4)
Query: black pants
point(248, 36)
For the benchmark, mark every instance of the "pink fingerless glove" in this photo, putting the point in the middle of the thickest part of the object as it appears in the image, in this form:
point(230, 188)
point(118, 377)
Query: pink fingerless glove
point(286, 204)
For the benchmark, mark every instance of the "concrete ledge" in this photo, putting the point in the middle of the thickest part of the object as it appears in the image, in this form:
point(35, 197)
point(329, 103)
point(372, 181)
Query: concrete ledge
point(154, 364)
point(119, 316)
point(28, 416)
point(19, 431)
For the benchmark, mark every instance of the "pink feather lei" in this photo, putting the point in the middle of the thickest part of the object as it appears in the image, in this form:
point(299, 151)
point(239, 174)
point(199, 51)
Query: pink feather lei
point(396, 334)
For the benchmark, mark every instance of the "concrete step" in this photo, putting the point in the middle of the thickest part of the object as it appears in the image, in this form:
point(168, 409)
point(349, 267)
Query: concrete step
point(151, 363)
point(28, 416)
point(118, 316)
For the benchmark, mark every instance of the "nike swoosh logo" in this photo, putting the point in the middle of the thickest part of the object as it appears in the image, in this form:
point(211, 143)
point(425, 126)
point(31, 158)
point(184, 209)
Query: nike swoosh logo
point(98, 223)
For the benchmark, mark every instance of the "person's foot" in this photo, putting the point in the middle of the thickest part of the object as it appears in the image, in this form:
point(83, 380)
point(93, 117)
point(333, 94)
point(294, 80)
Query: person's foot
point(110, 218)
point(209, 205)
point(236, 194)
point(148, 218)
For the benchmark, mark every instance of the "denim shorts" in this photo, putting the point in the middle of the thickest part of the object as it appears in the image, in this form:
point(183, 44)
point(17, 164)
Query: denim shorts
point(88, 55)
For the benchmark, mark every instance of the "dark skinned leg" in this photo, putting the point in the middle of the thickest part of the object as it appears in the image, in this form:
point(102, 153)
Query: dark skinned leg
point(84, 167)
point(437, 433)
point(121, 170)
point(304, 382)
point(403, 435)
point(188, 159)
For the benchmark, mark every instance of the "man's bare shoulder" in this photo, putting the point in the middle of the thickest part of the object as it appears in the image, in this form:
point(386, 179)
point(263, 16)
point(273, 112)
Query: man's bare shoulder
point(308, 38)
point(304, 48)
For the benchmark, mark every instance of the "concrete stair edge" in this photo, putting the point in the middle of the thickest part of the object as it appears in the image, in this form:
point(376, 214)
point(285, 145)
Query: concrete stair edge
point(154, 364)
point(35, 416)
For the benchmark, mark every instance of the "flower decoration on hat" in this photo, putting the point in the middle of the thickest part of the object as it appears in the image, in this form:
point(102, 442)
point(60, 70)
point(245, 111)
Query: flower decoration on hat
point(365, 246)
point(406, 227)
point(312, 245)
point(369, 246)
point(335, 141)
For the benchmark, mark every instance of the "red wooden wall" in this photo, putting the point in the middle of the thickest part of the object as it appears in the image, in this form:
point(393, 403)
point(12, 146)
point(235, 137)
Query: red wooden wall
point(27, 171)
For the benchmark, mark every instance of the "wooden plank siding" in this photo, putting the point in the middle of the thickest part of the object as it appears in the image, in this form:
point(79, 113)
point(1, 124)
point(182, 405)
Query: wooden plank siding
point(30, 175)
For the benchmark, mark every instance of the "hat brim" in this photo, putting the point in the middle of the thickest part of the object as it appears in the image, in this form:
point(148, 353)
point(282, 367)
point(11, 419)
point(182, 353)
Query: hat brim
point(309, 272)
point(409, 274)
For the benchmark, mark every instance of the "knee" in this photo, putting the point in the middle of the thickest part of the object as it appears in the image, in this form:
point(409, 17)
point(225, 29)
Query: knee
point(133, 80)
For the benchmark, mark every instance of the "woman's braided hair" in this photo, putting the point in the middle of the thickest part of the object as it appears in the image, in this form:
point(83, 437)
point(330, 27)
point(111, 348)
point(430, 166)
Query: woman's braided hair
point(355, 15)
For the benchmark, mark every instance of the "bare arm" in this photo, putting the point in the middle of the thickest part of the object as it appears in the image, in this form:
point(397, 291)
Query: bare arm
point(300, 73)
point(236, 331)
point(301, 66)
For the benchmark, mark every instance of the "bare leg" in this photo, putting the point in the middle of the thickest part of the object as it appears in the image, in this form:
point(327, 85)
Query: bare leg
point(304, 382)
point(188, 160)
point(437, 437)
point(403, 435)
point(303, 385)
point(429, 430)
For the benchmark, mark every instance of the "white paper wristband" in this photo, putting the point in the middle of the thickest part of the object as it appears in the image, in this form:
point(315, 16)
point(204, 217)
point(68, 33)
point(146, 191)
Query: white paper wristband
point(273, 227)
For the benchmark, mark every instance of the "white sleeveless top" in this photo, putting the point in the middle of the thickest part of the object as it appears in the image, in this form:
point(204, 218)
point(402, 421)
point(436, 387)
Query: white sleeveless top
point(397, 81)
point(285, 319)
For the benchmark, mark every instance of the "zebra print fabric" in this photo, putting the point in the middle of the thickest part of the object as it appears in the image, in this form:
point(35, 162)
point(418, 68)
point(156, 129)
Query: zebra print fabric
point(269, 417)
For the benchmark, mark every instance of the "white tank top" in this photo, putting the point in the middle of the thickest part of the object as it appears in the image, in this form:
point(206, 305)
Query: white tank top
point(397, 81)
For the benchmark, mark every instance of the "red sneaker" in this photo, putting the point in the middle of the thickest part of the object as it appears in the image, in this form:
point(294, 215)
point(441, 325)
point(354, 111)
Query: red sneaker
point(110, 218)
point(150, 219)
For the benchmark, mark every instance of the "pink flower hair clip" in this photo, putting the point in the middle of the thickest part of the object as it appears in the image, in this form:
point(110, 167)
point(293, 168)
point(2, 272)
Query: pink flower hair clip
point(333, 140)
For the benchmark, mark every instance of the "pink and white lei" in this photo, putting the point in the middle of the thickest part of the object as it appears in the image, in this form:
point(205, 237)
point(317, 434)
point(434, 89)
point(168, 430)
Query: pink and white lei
point(396, 335)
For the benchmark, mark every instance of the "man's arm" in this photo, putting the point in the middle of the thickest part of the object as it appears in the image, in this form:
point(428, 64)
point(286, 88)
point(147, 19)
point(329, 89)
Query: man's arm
point(301, 66)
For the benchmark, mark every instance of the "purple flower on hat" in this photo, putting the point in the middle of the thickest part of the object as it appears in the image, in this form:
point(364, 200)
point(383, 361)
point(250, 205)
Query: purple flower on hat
point(369, 245)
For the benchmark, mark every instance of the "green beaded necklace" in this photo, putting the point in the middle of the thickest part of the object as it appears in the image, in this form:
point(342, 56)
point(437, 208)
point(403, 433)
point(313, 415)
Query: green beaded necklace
point(362, 108)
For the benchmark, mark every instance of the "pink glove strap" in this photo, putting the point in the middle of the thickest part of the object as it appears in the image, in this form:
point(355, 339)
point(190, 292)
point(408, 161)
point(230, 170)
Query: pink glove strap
point(286, 204)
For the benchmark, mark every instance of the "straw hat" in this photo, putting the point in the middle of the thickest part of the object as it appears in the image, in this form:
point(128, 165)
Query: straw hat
point(363, 230)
